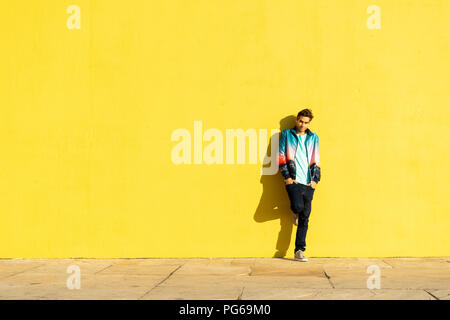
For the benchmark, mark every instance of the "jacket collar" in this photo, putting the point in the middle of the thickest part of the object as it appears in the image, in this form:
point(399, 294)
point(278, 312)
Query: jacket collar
point(308, 132)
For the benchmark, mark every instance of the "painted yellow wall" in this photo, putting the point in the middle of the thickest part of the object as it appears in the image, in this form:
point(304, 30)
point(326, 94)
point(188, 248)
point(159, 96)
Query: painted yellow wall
point(87, 117)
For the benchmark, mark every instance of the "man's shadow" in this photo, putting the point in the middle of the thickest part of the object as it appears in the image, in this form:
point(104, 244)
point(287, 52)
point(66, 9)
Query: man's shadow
point(274, 202)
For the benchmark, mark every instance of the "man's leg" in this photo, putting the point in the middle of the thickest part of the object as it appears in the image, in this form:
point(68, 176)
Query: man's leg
point(295, 193)
point(303, 219)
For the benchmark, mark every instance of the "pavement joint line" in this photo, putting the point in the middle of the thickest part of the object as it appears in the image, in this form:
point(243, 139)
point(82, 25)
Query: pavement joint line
point(329, 278)
point(103, 269)
point(388, 264)
point(14, 274)
point(240, 294)
point(161, 281)
point(431, 294)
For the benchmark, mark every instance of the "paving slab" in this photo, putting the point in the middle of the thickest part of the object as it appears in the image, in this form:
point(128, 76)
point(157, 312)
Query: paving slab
point(278, 293)
point(198, 286)
point(416, 279)
point(356, 264)
point(203, 291)
point(391, 278)
point(268, 282)
point(56, 267)
point(206, 280)
point(91, 287)
point(333, 294)
point(418, 263)
point(286, 269)
point(139, 269)
point(216, 268)
point(243, 261)
point(11, 267)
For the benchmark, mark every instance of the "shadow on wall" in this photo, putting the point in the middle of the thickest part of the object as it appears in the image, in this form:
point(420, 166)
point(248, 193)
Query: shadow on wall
point(274, 202)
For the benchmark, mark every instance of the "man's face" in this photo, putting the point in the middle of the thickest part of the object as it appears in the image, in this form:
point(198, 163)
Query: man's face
point(302, 123)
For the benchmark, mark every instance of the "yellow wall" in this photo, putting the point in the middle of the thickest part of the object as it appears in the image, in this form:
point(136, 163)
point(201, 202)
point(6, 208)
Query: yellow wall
point(87, 117)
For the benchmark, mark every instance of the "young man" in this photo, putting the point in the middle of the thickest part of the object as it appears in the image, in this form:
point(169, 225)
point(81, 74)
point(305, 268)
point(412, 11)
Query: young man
point(299, 164)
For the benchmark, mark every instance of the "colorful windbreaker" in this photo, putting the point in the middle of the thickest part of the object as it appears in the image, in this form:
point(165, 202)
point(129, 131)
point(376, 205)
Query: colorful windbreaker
point(286, 156)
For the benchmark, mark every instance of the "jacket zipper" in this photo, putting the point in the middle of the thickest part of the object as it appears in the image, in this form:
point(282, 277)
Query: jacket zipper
point(309, 167)
point(295, 153)
point(307, 155)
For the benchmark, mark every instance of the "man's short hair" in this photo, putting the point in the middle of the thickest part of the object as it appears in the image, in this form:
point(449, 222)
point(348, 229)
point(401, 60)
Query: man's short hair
point(305, 113)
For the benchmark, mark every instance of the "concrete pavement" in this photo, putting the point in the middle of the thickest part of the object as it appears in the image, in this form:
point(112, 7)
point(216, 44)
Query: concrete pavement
point(226, 278)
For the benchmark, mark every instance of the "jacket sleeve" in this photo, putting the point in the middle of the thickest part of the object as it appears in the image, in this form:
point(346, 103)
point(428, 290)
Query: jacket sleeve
point(315, 167)
point(282, 163)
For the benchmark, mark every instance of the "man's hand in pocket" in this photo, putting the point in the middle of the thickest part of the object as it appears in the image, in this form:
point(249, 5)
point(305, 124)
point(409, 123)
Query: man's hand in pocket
point(290, 181)
point(313, 184)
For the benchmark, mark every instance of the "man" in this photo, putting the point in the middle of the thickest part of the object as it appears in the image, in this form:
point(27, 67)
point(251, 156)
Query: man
point(299, 164)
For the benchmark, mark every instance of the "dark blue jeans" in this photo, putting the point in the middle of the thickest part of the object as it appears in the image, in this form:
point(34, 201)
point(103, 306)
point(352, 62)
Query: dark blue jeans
point(300, 196)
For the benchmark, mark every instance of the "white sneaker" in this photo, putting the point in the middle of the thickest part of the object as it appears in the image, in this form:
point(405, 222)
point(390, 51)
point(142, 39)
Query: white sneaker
point(295, 218)
point(300, 256)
